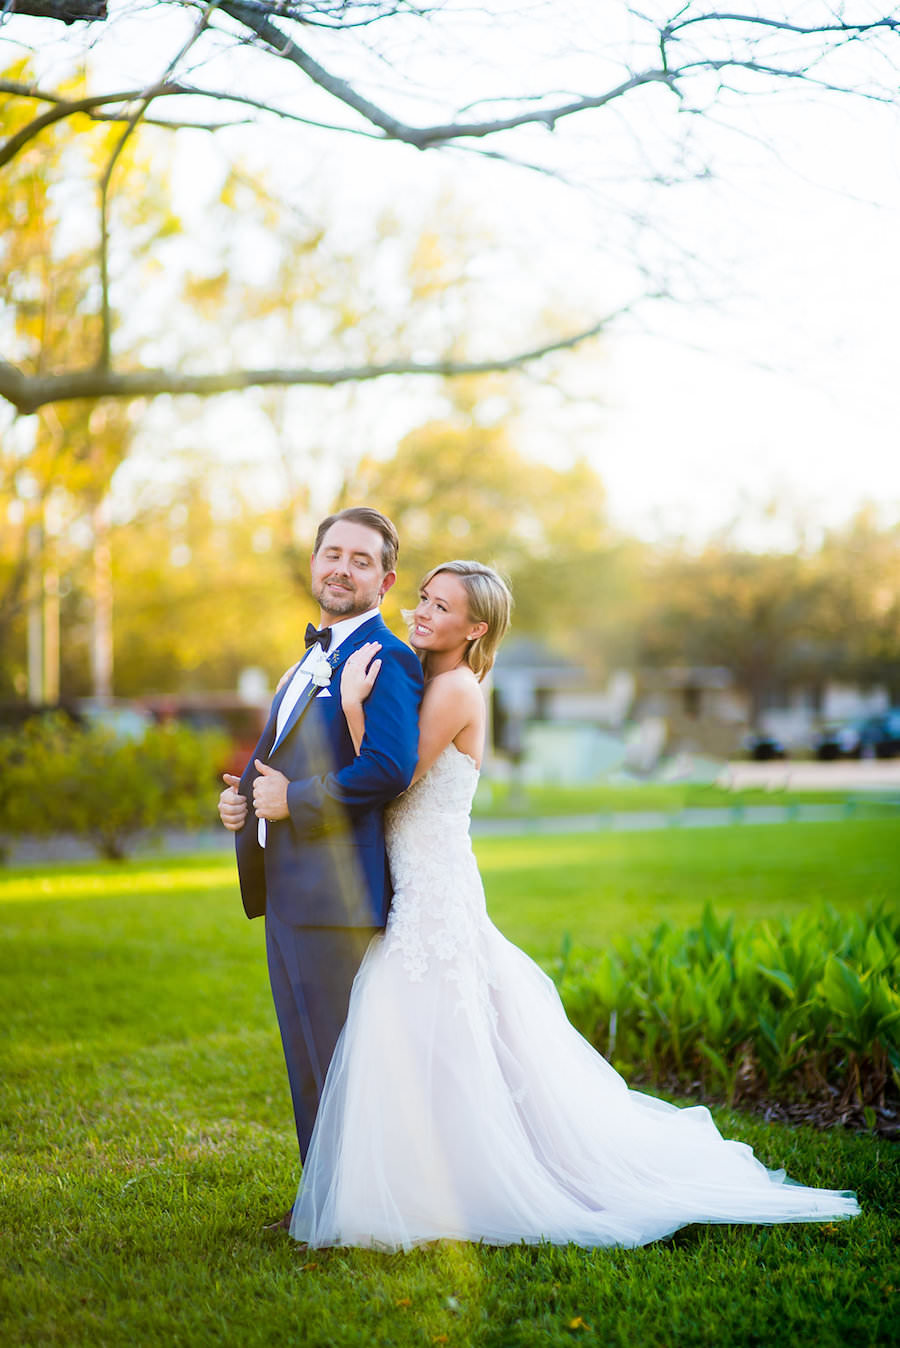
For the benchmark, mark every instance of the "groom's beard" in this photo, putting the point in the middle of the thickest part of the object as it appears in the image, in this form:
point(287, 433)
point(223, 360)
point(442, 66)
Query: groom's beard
point(346, 601)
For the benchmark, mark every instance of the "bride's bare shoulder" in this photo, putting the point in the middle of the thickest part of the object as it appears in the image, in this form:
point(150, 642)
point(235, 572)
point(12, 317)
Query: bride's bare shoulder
point(453, 683)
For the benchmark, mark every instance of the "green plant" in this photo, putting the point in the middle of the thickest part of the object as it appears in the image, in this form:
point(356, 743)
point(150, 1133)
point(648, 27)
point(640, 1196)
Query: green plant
point(62, 778)
point(802, 1006)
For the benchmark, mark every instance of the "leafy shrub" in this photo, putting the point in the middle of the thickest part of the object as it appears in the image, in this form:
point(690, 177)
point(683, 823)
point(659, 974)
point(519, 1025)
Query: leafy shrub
point(801, 1009)
point(61, 778)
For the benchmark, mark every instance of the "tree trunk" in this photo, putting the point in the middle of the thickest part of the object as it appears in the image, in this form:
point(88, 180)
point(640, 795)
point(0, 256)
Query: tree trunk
point(35, 616)
point(102, 637)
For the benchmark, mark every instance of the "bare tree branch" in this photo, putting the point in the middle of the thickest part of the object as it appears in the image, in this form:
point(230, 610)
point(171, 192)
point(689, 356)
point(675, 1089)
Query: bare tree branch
point(254, 16)
point(337, 16)
point(28, 393)
point(66, 11)
point(257, 15)
point(314, 13)
point(170, 124)
point(64, 107)
point(103, 359)
point(740, 42)
point(783, 25)
point(780, 73)
point(428, 137)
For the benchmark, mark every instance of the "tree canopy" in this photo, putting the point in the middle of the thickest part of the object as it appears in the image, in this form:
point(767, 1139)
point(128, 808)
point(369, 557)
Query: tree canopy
point(115, 290)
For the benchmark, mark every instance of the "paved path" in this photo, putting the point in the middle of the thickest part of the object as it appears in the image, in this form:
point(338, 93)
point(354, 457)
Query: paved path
point(627, 821)
point(867, 774)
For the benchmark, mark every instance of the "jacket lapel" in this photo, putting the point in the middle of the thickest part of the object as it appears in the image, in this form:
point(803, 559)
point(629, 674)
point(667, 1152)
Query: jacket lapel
point(335, 659)
point(300, 706)
point(267, 736)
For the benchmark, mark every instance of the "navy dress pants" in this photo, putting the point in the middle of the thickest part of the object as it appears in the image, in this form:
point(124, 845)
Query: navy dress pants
point(311, 970)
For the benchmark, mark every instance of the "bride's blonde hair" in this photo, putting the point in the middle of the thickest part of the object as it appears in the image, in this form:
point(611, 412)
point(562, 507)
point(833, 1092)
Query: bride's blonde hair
point(490, 601)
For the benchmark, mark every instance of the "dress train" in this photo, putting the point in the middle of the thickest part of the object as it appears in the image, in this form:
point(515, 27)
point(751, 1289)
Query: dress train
point(461, 1104)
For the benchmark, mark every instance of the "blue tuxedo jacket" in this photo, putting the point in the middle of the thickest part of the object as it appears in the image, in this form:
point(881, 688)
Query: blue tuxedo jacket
point(325, 865)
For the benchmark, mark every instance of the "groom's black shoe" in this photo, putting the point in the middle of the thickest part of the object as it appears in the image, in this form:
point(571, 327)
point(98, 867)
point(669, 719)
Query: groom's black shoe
point(283, 1223)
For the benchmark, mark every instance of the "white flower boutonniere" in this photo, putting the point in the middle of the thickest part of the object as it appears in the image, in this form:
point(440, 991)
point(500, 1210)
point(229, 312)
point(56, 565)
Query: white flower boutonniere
point(321, 676)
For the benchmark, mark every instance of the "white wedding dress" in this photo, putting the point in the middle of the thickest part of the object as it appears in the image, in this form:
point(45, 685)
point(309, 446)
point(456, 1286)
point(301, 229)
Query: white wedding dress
point(461, 1104)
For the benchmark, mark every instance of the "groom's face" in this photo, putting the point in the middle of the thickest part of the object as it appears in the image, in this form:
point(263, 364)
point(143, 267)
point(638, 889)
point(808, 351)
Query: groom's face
point(348, 575)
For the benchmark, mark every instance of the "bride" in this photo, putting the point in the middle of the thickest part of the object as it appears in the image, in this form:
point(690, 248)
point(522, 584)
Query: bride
point(460, 1102)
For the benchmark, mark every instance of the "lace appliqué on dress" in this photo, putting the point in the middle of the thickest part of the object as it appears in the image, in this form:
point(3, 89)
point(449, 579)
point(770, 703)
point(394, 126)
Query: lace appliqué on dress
point(438, 899)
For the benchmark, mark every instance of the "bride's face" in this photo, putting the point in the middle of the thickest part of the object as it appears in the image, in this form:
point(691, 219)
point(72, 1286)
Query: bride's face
point(441, 619)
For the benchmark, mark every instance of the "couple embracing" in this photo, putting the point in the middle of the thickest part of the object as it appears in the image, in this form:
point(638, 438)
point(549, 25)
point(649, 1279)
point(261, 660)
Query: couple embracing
point(439, 1091)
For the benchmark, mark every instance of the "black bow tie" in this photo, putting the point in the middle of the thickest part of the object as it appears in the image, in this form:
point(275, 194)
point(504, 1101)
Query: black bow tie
point(317, 637)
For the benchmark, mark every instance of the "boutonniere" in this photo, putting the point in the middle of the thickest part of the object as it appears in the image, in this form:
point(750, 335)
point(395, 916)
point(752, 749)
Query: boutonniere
point(321, 675)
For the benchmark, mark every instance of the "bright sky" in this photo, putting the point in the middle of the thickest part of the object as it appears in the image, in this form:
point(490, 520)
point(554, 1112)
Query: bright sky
point(793, 387)
point(785, 384)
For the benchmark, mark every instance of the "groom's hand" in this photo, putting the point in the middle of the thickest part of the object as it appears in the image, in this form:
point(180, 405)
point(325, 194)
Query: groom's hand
point(232, 806)
point(270, 792)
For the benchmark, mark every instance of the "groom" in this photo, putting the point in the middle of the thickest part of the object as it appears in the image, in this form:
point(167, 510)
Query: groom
point(311, 855)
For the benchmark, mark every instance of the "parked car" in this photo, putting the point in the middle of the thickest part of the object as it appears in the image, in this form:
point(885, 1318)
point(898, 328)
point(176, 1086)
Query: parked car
point(875, 736)
point(764, 747)
point(838, 739)
point(125, 721)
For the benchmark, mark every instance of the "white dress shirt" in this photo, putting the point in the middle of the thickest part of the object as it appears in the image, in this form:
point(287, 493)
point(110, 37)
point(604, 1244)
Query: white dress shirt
point(314, 658)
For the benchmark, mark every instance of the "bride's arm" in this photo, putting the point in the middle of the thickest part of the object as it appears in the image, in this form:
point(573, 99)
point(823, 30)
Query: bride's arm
point(452, 703)
point(357, 677)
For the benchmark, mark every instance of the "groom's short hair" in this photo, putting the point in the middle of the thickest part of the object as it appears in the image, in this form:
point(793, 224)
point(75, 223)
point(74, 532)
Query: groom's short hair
point(372, 519)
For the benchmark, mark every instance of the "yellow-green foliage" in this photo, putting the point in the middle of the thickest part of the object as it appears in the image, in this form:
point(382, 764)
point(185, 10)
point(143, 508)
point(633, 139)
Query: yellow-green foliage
point(62, 778)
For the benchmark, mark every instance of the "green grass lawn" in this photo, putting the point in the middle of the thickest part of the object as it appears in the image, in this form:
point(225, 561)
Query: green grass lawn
point(596, 886)
point(146, 1123)
point(496, 800)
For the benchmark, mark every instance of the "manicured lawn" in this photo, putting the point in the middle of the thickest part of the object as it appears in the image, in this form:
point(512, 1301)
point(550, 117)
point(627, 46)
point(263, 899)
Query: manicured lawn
point(146, 1136)
point(495, 799)
point(595, 886)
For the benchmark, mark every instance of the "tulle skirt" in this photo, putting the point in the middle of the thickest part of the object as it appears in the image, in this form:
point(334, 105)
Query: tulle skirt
point(464, 1106)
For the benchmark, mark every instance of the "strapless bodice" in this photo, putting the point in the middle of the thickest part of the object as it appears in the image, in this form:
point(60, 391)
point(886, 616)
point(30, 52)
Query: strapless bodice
point(446, 789)
point(437, 889)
